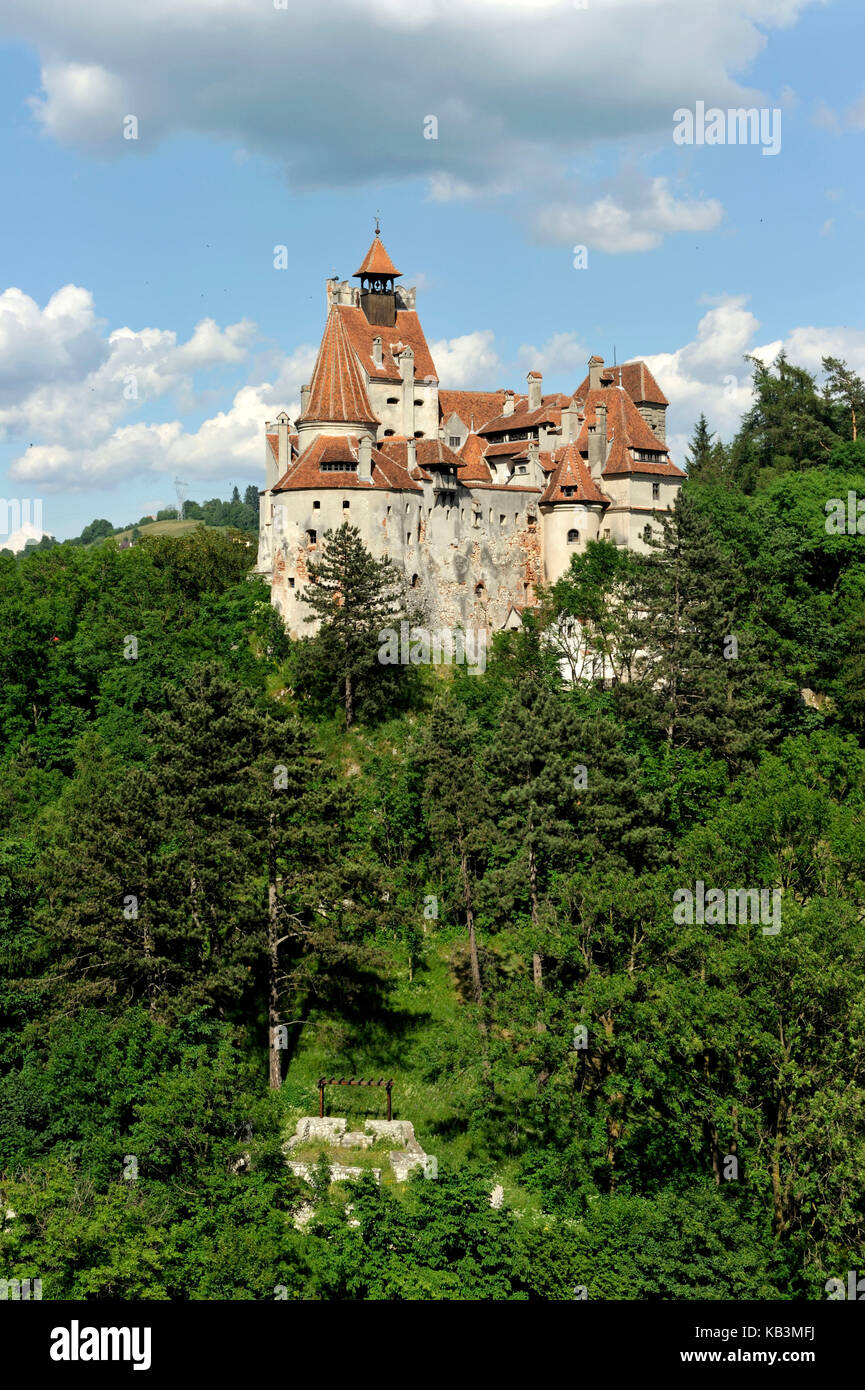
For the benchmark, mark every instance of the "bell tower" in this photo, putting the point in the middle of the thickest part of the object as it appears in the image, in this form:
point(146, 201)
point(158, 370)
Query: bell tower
point(377, 273)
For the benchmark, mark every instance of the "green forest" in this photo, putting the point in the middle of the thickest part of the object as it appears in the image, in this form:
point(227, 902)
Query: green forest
point(464, 882)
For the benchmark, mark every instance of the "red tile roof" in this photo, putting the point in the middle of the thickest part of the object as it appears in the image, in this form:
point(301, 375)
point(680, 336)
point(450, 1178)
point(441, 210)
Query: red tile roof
point(406, 332)
point(626, 429)
point(636, 379)
point(338, 390)
point(430, 453)
point(472, 456)
point(550, 412)
point(474, 408)
point(377, 261)
point(516, 447)
point(306, 472)
point(571, 471)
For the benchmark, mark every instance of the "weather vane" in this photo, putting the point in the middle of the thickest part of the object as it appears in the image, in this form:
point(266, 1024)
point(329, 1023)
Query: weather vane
point(377, 221)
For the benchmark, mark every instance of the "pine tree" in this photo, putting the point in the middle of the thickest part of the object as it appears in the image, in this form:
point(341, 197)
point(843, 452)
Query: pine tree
point(844, 388)
point(458, 814)
point(698, 677)
point(700, 447)
point(353, 597)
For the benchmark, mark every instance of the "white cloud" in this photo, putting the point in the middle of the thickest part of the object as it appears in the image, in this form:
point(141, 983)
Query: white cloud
point(519, 87)
point(560, 353)
point(70, 390)
point(709, 374)
point(638, 219)
point(470, 360)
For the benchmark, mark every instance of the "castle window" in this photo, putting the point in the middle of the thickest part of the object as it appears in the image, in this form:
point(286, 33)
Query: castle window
point(418, 434)
point(479, 589)
point(516, 518)
point(388, 433)
point(388, 511)
point(291, 583)
point(501, 519)
point(316, 506)
point(310, 537)
point(573, 537)
point(454, 441)
point(532, 521)
point(407, 507)
point(393, 400)
point(656, 491)
point(345, 506)
point(607, 534)
point(418, 402)
point(647, 534)
point(567, 491)
point(414, 581)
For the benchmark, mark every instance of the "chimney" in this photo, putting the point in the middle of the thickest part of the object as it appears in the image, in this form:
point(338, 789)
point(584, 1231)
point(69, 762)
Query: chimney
point(283, 425)
point(598, 443)
point(596, 366)
point(508, 407)
point(410, 455)
point(406, 364)
point(304, 400)
point(570, 423)
point(534, 379)
point(376, 350)
point(272, 474)
point(364, 459)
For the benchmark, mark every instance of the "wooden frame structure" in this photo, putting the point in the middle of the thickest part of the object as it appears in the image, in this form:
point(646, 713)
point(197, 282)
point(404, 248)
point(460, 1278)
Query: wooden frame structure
point(350, 1081)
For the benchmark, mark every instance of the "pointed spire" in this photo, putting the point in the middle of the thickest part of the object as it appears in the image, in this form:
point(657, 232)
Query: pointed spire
point(376, 261)
point(337, 392)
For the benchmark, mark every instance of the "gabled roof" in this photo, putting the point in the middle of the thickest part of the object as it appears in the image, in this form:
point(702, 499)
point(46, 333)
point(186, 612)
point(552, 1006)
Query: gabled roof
point(475, 470)
point(635, 378)
point(377, 261)
point(406, 332)
point(338, 390)
point(570, 471)
point(429, 453)
point(475, 408)
point(306, 472)
point(549, 413)
point(626, 429)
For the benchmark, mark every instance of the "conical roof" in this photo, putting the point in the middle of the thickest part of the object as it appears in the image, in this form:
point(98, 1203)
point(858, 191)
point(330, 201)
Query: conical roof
point(337, 393)
point(377, 261)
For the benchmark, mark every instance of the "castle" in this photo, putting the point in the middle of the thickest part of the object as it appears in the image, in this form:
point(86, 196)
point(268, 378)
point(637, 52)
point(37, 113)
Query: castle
point(478, 496)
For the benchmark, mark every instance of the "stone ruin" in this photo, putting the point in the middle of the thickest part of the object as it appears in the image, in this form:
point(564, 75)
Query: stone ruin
point(334, 1133)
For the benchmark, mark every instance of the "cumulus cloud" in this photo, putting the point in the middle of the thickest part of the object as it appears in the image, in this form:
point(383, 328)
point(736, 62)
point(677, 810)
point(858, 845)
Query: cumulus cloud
point(560, 353)
point(709, 374)
point(514, 86)
point(71, 387)
point(638, 219)
point(470, 360)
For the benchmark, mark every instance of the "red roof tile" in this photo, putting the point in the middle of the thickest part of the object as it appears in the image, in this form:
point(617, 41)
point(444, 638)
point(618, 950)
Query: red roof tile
point(472, 455)
point(338, 390)
point(474, 408)
point(306, 472)
point(635, 378)
point(406, 332)
point(377, 261)
point(570, 471)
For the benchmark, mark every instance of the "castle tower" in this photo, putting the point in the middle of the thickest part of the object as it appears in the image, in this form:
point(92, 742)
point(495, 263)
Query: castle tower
point(377, 273)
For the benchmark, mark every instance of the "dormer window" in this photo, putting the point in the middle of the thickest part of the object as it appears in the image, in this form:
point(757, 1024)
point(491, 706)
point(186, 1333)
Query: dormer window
point(573, 537)
point(567, 492)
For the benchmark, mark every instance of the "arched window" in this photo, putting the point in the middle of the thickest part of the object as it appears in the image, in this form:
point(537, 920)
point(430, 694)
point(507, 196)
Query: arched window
point(414, 581)
point(573, 537)
point(479, 589)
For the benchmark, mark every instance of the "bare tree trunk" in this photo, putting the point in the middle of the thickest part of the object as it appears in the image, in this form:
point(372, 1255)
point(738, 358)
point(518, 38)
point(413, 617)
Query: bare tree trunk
point(274, 1060)
point(349, 703)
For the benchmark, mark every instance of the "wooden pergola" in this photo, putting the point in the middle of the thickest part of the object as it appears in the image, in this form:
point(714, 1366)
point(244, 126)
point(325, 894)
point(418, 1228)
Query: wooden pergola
point(350, 1081)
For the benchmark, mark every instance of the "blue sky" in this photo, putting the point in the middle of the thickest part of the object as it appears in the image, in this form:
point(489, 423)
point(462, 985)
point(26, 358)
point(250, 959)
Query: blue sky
point(152, 258)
